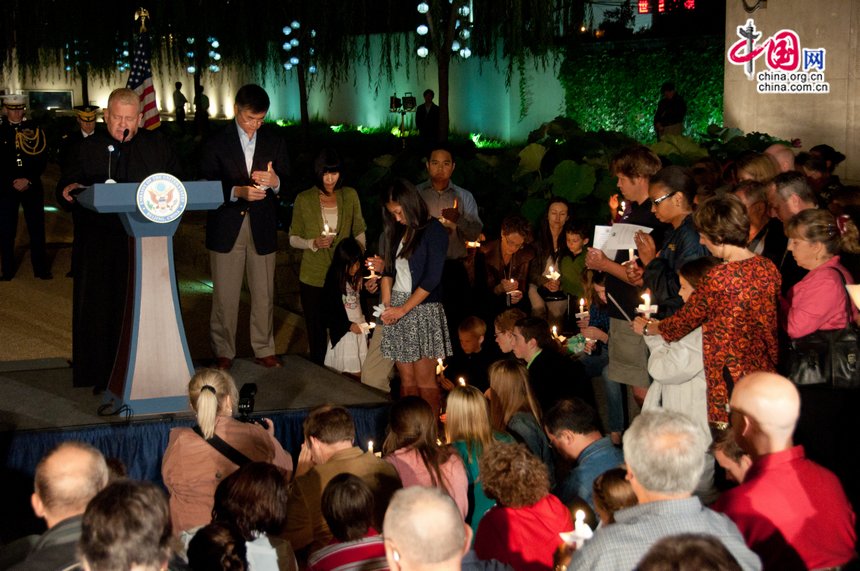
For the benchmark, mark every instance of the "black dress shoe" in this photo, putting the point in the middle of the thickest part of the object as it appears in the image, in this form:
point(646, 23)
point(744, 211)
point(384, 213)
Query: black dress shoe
point(45, 276)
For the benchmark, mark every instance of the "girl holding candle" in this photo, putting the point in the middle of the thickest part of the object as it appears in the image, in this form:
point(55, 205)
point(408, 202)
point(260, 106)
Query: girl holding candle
point(678, 372)
point(735, 304)
point(331, 204)
point(412, 448)
point(416, 331)
point(545, 295)
point(347, 345)
point(595, 328)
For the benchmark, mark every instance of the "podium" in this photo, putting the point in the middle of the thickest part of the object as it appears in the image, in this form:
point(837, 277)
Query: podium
point(153, 365)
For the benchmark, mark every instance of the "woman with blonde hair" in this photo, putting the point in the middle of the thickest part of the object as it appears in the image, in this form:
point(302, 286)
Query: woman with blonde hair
point(759, 167)
point(468, 430)
point(513, 409)
point(412, 447)
point(193, 466)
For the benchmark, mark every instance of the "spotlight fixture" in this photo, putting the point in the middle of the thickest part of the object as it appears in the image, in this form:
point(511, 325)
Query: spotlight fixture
point(422, 30)
point(423, 7)
point(423, 51)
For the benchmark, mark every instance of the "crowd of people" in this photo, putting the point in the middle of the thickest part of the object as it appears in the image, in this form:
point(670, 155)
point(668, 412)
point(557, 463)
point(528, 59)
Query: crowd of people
point(495, 352)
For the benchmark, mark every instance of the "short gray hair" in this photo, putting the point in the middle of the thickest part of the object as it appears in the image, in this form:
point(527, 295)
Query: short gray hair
point(793, 183)
point(665, 451)
point(425, 526)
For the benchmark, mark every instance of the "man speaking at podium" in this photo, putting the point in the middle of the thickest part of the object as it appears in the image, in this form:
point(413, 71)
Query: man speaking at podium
point(122, 154)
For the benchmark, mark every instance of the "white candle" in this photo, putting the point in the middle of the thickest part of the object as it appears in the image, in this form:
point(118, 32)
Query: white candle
point(646, 299)
point(581, 530)
point(370, 446)
point(439, 367)
point(462, 381)
point(630, 254)
point(581, 305)
point(555, 331)
point(326, 229)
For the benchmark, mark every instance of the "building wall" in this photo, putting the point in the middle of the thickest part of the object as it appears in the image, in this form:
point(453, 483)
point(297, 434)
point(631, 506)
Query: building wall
point(832, 118)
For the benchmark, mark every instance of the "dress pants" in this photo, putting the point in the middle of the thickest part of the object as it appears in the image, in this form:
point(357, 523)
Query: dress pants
point(227, 273)
point(33, 202)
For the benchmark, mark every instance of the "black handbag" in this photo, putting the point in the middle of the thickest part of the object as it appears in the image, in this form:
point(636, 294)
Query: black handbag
point(830, 357)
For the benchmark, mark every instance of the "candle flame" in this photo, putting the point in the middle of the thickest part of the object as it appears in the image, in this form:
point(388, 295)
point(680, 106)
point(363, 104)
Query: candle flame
point(370, 447)
point(462, 381)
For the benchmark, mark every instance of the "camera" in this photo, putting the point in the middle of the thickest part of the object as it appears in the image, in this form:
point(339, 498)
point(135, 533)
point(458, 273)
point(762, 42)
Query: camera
point(246, 404)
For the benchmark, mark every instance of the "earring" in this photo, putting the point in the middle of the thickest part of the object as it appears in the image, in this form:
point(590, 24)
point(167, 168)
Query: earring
point(396, 555)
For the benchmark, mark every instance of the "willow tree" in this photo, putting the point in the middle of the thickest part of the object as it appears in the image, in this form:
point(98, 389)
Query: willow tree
point(37, 32)
point(510, 32)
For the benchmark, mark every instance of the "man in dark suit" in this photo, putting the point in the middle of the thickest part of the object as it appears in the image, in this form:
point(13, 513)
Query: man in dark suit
point(251, 162)
point(86, 121)
point(552, 375)
point(121, 153)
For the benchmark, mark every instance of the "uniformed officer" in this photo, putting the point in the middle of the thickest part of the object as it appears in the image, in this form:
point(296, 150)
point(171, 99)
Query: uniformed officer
point(86, 116)
point(23, 157)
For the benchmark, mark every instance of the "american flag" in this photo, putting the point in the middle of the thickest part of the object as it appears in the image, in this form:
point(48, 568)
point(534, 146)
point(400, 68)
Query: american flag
point(140, 80)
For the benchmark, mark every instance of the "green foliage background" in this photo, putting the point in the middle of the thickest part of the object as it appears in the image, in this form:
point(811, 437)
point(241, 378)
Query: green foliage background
point(616, 86)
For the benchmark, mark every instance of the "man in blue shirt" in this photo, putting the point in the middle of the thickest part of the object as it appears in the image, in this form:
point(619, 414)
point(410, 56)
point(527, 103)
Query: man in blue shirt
point(572, 429)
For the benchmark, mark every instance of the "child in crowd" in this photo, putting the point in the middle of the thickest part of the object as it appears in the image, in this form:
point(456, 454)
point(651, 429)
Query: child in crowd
point(595, 328)
point(612, 492)
point(572, 263)
point(347, 506)
point(472, 364)
point(347, 346)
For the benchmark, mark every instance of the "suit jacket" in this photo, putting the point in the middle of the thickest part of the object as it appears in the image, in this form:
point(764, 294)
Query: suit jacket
point(224, 160)
point(305, 522)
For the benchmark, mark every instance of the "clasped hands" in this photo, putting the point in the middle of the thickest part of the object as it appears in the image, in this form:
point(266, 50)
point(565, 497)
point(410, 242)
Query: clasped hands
point(262, 180)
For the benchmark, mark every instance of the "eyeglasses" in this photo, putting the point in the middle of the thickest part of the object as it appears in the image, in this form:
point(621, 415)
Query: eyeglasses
point(657, 201)
point(513, 244)
point(250, 120)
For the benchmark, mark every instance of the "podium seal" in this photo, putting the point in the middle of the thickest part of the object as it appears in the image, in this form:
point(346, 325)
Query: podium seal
point(161, 198)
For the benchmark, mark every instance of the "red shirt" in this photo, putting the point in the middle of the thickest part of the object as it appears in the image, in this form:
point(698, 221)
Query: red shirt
point(524, 538)
point(792, 512)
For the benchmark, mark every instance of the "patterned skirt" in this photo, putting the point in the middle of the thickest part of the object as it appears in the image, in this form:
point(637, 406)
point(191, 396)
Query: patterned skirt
point(421, 333)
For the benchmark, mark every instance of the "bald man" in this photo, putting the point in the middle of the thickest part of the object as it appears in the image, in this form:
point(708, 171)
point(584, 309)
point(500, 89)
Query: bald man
point(792, 512)
point(67, 478)
point(424, 530)
point(783, 155)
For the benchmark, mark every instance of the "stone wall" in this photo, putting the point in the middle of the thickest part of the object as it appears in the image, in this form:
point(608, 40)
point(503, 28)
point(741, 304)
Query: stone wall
point(832, 118)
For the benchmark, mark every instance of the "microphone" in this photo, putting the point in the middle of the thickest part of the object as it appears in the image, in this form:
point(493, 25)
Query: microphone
point(124, 136)
point(110, 156)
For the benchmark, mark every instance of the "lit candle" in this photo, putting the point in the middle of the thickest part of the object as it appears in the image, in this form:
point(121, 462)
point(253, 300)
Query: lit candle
point(439, 366)
point(373, 273)
point(552, 274)
point(581, 305)
point(455, 203)
point(555, 331)
point(462, 381)
point(630, 254)
point(370, 446)
point(646, 299)
point(581, 530)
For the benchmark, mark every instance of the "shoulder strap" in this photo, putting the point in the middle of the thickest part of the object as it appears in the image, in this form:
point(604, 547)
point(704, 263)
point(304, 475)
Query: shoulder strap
point(847, 298)
point(225, 449)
